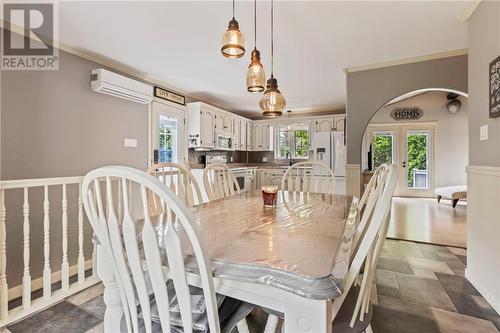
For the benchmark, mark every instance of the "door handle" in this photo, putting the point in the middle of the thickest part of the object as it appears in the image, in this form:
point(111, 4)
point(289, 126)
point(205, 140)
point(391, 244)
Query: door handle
point(404, 164)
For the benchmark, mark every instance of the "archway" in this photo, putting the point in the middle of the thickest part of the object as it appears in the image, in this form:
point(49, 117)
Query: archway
point(431, 152)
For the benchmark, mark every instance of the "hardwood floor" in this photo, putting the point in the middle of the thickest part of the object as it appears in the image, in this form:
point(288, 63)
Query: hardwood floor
point(424, 220)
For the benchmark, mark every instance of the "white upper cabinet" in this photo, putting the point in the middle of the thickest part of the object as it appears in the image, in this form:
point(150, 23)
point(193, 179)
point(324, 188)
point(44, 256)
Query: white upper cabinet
point(201, 126)
point(224, 123)
point(327, 124)
point(240, 133)
point(262, 137)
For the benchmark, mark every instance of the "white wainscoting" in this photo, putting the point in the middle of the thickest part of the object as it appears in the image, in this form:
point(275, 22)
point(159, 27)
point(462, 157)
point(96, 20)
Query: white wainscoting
point(483, 232)
point(353, 179)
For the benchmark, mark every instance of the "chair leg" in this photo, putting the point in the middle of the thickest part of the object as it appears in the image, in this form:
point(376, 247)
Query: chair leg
point(439, 198)
point(242, 326)
point(272, 323)
point(455, 201)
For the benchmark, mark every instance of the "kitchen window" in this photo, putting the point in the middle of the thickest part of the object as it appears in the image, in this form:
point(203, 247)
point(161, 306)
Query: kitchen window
point(293, 140)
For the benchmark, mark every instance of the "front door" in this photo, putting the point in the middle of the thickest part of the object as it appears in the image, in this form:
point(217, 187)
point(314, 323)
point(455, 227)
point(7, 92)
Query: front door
point(168, 134)
point(411, 147)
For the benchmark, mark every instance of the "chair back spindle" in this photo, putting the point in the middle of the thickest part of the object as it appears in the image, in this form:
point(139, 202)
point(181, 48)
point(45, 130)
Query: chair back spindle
point(140, 273)
point(312, 177)
point(220, 182)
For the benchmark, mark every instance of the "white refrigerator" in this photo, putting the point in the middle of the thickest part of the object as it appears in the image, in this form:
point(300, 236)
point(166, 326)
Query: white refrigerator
point(329, 148)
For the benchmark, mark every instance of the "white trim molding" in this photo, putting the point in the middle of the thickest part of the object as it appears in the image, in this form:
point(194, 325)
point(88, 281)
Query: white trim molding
point(471, 7)
point(404, 61)
point(353, 179)
point(483, 230)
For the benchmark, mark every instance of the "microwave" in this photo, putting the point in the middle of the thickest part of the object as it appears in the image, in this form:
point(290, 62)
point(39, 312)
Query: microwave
point(224, 142)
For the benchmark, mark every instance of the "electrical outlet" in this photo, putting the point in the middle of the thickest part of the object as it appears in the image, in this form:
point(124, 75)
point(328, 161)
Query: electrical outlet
point(264, 159)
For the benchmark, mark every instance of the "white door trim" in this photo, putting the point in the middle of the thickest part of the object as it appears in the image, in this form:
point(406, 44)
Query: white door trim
point(182, 113)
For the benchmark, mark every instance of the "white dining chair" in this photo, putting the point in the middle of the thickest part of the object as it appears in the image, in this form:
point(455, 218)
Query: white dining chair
point(309, 177)
point(368, 201)
point(220, 182)
point(137, 260)
point(179, 179)
point(351, 312)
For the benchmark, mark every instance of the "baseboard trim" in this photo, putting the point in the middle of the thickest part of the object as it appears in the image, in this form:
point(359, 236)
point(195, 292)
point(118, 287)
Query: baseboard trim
point(494, 302)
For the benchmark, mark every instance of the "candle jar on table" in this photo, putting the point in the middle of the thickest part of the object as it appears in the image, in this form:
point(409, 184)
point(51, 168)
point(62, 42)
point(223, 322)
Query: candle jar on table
point(269, 195)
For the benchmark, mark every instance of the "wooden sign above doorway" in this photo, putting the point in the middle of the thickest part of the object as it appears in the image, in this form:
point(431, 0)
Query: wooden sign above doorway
point(407, 113)
point(169, 96)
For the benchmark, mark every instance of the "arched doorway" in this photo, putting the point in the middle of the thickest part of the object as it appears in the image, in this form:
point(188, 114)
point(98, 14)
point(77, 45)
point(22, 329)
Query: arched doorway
point(428, 140)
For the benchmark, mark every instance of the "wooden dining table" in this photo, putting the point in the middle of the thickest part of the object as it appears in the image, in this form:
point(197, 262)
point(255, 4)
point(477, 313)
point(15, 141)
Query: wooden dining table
point(291, 258)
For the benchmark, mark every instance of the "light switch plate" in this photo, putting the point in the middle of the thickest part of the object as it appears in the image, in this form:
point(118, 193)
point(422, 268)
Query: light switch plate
point(483, 133)
point(264, 159)
point(132, 143)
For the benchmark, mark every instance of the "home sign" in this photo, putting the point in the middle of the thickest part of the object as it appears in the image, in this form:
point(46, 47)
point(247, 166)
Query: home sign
point(407, 113)
point(169, 96)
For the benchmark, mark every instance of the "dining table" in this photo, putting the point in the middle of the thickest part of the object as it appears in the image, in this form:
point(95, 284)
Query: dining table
point(291, 258)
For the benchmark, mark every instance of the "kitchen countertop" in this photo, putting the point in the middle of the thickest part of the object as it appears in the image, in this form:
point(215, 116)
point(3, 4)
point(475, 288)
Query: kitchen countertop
point(245, 165)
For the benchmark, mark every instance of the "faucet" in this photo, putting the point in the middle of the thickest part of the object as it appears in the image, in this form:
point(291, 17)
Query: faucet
point(288, 156)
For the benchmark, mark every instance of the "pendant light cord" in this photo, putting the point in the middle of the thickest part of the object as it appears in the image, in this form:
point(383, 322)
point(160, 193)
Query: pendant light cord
point(272, 38)
point(233, 9)
point(255, 23)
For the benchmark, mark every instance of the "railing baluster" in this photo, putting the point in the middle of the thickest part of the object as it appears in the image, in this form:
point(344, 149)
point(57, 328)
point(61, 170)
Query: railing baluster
point(3, 259)
point(81, 258)
point(26, 252)
point(47, 274)
point(64, 264)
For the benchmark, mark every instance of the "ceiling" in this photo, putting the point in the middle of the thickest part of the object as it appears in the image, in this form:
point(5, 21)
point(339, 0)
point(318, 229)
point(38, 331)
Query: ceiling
point(179, 43)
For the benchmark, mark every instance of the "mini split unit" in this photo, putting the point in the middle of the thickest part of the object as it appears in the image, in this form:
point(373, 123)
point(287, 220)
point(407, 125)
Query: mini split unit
point(106, 82)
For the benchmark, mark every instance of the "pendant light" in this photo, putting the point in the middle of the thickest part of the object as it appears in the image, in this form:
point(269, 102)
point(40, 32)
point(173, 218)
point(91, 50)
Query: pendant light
point(273, 102)
point(289, 127)
point(256, 77)
point(233, 41)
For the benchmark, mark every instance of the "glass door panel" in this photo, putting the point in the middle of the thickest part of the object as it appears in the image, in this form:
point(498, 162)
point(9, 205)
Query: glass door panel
point(417, 164)
point(383, 149)
point(168, 137)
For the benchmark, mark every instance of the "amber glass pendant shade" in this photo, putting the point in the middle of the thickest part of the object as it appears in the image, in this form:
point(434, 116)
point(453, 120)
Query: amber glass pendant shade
point(256, 77)
point(272, 102)
point(233, 41)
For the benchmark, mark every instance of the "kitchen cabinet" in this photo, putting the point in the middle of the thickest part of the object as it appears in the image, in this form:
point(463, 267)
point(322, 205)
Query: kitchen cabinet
point(201, 126)
point(250, 136)
point(262, 137)
point(224, 123)
point(240, 134)
point(270, 176)
point(327, 124)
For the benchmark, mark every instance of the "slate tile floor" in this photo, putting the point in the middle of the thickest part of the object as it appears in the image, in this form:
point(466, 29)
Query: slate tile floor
point(421, 288)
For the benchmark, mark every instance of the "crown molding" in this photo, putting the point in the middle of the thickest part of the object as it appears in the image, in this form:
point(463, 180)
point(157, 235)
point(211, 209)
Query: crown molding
point(404, 61)
point(109, 63)
point(467, 12)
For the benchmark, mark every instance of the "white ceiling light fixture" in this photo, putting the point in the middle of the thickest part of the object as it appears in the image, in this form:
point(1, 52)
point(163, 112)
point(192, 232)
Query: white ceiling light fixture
point(454, 103)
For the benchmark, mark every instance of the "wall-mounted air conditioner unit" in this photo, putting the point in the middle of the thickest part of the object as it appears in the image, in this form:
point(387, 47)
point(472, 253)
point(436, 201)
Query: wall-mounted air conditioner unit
point(106, 82)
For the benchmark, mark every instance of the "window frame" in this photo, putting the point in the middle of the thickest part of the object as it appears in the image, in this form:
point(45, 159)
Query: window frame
point(291, 141)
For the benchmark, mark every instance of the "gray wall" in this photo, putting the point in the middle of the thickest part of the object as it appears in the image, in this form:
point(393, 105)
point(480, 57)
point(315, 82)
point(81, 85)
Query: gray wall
point(52, 125)
point(484, 47)
point(369, 90)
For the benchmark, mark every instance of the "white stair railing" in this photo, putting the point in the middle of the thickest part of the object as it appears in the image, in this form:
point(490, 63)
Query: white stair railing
point(48, 276)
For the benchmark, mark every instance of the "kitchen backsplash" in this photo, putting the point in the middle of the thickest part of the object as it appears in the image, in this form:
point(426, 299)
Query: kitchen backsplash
point(194, 156)
point(238, 156)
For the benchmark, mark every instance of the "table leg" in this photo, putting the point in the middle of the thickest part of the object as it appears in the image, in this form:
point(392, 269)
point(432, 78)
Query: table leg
point(114, 311)
point(307, 315)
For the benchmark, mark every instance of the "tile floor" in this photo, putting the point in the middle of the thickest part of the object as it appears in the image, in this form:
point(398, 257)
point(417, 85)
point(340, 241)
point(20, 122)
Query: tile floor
point(421, 288)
